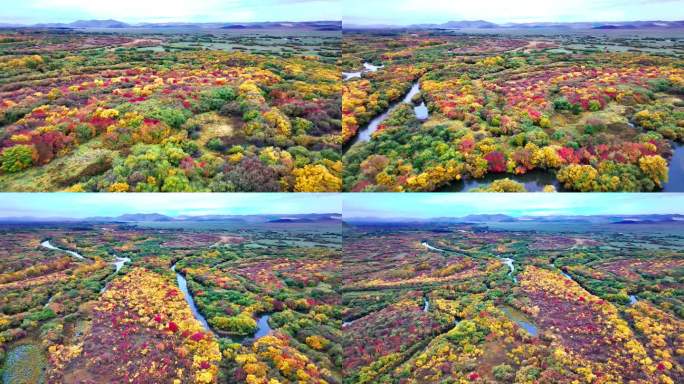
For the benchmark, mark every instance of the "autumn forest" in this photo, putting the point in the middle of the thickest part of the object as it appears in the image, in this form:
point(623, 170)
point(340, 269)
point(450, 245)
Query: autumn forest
point(317, 110)
point(342, 192)
point(312, 299)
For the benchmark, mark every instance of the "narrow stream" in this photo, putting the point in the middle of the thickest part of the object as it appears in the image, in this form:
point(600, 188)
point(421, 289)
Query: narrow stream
point(426, 304)
point(120, 261)
point(49, 301)
point(511, 267)
point(566, 275)
point(183, 285)
point(421, 111)
point(367, 67)
point(632, 298)
point(263, 328)
point(430, 247)
point(118, 264)
point(46, 244)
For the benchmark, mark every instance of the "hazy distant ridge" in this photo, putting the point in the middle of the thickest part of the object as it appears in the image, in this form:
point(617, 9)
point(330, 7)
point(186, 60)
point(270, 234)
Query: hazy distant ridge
point(156, 217)
point(326, 25)
point(595, 219)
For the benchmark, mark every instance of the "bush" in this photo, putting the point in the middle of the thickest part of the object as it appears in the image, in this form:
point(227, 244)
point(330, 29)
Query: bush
point(172, 117)
point(250, 115)
point(215, 144)
point(45, 314)
point(561, 104)
point(17, 158)
point(503, 372)
point(84, 132)
point(13, 114)
point(240, 325)
point(502, 185)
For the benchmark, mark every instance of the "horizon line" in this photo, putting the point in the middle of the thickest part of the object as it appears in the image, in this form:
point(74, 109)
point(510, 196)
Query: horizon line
point(138, 23)
point(511, 22)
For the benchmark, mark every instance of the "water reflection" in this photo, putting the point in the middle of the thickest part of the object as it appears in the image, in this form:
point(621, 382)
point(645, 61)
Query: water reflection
point(534, 181)
point(675, 181)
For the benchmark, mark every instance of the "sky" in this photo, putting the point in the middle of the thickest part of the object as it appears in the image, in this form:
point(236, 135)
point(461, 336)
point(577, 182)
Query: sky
point(427, 205)
point(79, 205)
point(405, 12)
point(134, 11)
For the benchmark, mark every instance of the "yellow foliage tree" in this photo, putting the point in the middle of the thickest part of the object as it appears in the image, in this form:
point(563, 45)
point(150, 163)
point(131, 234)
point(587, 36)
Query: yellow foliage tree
point(316, 178)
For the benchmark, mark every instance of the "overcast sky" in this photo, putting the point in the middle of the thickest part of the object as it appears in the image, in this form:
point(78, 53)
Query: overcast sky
point(404, 12)
point(426, 205)
point(77, 205)
point(133, 11)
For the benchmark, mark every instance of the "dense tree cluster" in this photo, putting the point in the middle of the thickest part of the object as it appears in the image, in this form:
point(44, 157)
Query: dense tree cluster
point(200, 113)
point(599, 121)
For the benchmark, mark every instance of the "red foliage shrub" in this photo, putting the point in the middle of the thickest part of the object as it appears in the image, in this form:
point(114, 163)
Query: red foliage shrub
point(497, 161)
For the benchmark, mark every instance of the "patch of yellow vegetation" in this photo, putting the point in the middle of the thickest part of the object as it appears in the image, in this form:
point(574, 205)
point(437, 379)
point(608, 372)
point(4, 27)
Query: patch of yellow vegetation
point(213, 126)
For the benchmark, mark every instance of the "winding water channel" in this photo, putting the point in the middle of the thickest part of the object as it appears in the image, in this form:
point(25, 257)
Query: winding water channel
point(183, 286)
point(120, 261)
point(364, 134)
point(367, 67)
point(46, 244)
point(632, 298)
point(430, 247)
point(511, 268)
point(263, 328)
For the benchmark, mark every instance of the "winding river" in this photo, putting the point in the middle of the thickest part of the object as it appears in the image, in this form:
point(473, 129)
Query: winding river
point(430, 247)
point(118, 264)
point(120, 261)
point(367, 67)
point(632, 298)
point(364, 134)
point(263, 328)
point(46, 244)
point(183, 285)
point(511, 267)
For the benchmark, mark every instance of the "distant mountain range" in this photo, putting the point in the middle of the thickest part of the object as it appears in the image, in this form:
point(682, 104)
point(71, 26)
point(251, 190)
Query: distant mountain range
point(476, 219)
point(482, 24)
point(115, 24)
point(156, 217)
